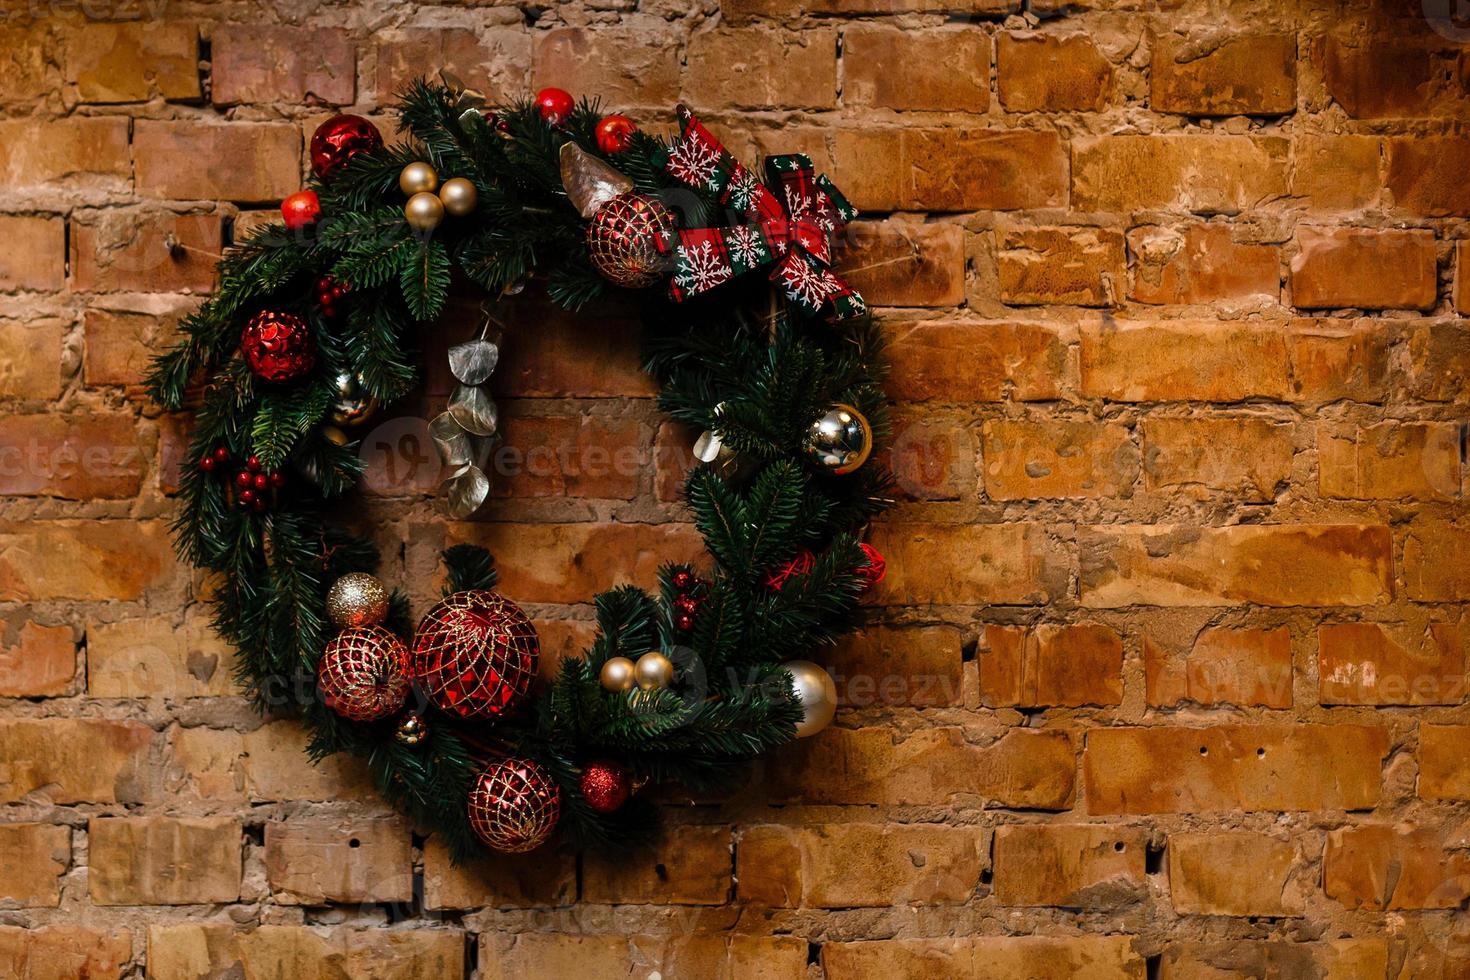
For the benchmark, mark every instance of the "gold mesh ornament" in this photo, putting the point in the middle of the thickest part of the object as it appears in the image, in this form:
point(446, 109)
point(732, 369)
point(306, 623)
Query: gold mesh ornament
point(363, 673)
point(475, 654)
point(514, 805)
point(628, 240)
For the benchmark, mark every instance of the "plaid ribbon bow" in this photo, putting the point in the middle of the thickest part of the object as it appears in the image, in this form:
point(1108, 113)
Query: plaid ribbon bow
point(792, 219)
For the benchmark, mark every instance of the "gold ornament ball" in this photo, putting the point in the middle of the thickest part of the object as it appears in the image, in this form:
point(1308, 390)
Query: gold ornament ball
point(459, 196)
point(616, 674)
point(335, 435)
point(357, 599)
point(411, 730)
point(840, 440)
point(418, 178)
point(653, 671)
point(424, 211)
point(817, 694)
point(353, 406)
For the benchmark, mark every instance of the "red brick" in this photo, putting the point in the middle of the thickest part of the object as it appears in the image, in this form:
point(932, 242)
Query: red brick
point(1377, 866)
point(1389, 78)
point(245, 162)
point(1178, 360)
point(1026, 460)
point(1390, 461)
point(1233, 767)
point(1093, 957)
point(36, 256)
point(1363, 268)
point(316, 861)
point(157, 656)
point(689, 865)
point(495, 60)
point(917, 666)
point(134, 62)
point(1338, 173)
point(1245, 458)
point(906, 69)
point(1333, 959)
point(78, 457)
point(261, 766)
point(1461, 293)
point(930, 458)
point(645, 74)
point(268, 63)
point(163, 860)
point(763, 69)
point(535, 880)
point(1000, 563)
point(1426, 175)
point(1444, 765)
point(587, 456)
point(1270, 565)
point(82, 152)
point(1065, 266)
point(121, 250)
point(981, 170)
point(1050, 73)
point(1438, 368)
point(188, 950)
point(65, 952)
point(31, 66)
point(1434, 569)
point(1048, 665)
point(30, 358)
point(721, 955)
point(1071, 866)
point(1224, 75)
point(35, 857)
point(1022, 769)
point(1368, 663)
point(974, 361)
point(548, 351)
point(74, 760)
point(1338, 360)
point(1220, 666)
point(98, 560)
point(1205, 174)
point(121, 343)
point(901, 263)
point(1201, 264)
point(1205, 875)
point(37, 661)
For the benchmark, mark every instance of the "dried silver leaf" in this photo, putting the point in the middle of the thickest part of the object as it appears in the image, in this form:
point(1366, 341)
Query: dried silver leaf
point(590, 183)
point(474, 410)
point(473, 361)
point(452, 441)
point(465, 492)
point(707, 447)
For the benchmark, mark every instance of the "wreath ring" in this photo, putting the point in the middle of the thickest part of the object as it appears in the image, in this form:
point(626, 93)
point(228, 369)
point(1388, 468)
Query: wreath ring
point(754, 340)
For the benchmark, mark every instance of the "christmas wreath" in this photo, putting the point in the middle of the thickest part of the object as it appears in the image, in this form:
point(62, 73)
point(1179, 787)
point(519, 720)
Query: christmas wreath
point(753, 339)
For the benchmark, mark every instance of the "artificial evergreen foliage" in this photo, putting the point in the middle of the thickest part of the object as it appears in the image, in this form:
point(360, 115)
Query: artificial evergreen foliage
point(735, 361)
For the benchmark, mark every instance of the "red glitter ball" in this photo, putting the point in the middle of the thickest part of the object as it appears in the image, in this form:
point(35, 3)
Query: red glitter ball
point(628, 240)
point(363, 673)
point(475, 654)
point(605, 785)
point(682, 579)
point(514, 805)
point(684, 622)
point(278, 346)
point(338, 140)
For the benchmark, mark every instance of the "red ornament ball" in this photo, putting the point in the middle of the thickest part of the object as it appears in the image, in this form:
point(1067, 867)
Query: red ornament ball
point(872, 573)
point(615, 133)
point(803, 563)
point(683, 580)
point(243, 479)
point(628, 240)
point(555, 105)
point(301, 210)
point(475, 654)
point(363, 673)
point(686, 603)
point(514, 805)
point(278, 346)
point(207, 464)
point(338, 140)
point(328, 294)
point(605, 785)
point(684, 622)
point(252, 463)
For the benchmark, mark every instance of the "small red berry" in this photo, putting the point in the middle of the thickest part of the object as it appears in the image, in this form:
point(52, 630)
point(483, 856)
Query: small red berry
point(615, 133)
point(252, 464)
point(555, 105)
point(278, 480)
point(247, 497)
point(243, 479)
point(301, 210)
point(684, 621)
point(207, 464)
point(682, 580)
point(221, 455)
point(260, 505)
point(687, 604)
point(262, 482)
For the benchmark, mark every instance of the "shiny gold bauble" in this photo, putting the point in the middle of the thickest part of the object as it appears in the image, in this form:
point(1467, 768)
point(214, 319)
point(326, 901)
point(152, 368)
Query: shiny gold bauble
point(357, 599)
point(353, 406)
point(459, 196)
point(411, 730)
point(817, 693)
point(840, 440)
point(418, 178)
point(424, 211)
point(616, 674)
point(653, 671)
point(335, 435)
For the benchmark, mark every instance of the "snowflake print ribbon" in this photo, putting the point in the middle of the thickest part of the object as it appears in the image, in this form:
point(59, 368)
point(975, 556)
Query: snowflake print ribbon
point(791, 220)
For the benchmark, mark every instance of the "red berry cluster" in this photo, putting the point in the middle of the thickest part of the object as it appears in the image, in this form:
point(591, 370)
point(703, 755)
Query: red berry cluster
point(253, 486)
point(688, 600)
point(328, 293)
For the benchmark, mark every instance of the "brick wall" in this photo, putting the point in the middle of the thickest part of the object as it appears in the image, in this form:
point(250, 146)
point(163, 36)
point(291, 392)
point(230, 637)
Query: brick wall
point(1167, 679)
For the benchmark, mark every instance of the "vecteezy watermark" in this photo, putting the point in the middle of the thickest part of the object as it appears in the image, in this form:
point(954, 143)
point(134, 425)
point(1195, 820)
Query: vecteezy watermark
point(102, 10)
point(1450, 19)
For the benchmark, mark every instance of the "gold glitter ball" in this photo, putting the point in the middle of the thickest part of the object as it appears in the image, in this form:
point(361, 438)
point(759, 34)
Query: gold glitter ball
point(357, 599)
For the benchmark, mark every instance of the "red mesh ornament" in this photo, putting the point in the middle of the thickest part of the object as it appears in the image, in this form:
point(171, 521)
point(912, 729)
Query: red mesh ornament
point(338, 140)
point(872, 573)
point(278, 346)
point(363, 673)
point(475, 654)
point(803, 563)
point(605, 785)
point(514, 805)
point(628, 238)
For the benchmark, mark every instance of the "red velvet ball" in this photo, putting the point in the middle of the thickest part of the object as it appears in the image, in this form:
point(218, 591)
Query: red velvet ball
point(872, 573)
point(278, 347)
point(338, 140)
point(514, 805)
point(363, 673)
point(475, 655)
point(801, 564)
point(605, 785)
point(615, 133)
point(555, 105)
point(301, 210)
